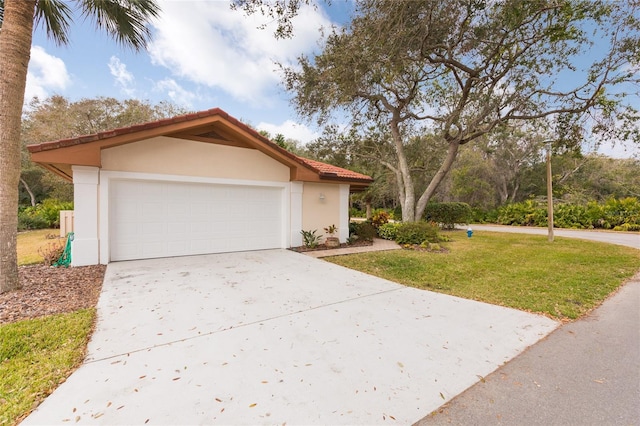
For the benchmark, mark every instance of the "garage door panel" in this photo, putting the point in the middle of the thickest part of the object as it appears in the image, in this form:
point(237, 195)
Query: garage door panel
point(159, 219)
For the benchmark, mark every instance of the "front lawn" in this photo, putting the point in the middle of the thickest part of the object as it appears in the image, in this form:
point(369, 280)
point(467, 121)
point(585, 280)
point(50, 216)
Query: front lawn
point(564, 279)
point(36, 356)
point(31, 243)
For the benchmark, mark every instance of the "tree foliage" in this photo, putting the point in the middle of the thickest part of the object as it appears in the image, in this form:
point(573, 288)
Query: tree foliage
point(462, 68)
point(58, 118)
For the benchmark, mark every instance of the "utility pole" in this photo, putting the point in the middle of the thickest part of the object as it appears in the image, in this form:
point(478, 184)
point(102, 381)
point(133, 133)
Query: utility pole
point(549, 193)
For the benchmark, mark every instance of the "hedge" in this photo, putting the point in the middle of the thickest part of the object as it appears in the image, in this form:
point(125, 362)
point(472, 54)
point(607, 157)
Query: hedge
point(448, 214)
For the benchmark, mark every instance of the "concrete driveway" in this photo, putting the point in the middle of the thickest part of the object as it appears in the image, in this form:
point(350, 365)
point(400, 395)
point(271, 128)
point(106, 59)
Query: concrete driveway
point(274, 337)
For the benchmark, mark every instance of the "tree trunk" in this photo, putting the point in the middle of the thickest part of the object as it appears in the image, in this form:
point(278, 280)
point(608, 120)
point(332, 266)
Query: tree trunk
point(503, 191)
point(408, 197)
point(452, 152)
point(15, 51)
point(514, 193)
point(29, 191)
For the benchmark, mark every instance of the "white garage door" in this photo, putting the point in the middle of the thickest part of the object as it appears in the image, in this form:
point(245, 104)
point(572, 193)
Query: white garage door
point(162, 219)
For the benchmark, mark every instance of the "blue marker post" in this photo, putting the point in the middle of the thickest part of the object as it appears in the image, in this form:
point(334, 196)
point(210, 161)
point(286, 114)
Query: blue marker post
point(469, 232)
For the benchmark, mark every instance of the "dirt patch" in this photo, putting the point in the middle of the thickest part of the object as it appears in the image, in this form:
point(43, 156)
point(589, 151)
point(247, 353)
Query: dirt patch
point(46, 291)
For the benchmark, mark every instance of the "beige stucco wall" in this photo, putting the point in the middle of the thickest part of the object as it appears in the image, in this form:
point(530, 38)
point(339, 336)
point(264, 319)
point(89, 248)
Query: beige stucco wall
point(164, 155)
point(320, 213)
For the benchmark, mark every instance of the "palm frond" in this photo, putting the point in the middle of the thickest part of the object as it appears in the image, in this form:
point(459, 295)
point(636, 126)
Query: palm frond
point(124, 20)
point(56, 17)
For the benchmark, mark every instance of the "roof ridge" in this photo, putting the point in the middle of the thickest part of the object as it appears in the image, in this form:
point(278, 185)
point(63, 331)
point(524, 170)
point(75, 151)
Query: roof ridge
point(322, 169)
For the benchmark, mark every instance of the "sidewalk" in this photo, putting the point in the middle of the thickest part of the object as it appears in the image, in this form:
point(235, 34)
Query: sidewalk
point(584, 373)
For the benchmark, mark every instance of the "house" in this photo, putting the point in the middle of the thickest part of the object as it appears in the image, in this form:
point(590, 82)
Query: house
point(194, 184)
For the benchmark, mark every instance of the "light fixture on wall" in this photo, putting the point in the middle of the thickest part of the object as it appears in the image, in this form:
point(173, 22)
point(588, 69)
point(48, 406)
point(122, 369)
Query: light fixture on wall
point(321, 196)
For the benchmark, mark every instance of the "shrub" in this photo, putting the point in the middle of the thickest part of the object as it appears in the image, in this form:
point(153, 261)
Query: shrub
point(43, 215)
point(51, 252)
point(397, 213)
point(310, 239)
point(29, 221)
point(526, 213)
point(380, 218)
point(365, 231)
point(571, 216)
point(354, 212)
point(353, 228)
point(389, 230)
point(613, 214)
point(627, 227)
point(416, 233)
point(618, 212)
point(448, 214)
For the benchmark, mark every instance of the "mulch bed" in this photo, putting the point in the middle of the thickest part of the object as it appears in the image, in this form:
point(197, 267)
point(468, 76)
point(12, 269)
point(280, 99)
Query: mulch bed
point(303, 249)
point(47, 290)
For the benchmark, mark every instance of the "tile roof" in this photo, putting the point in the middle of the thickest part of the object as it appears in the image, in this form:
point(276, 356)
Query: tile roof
point(79, 140)
point(329, 170)
point(324, 170)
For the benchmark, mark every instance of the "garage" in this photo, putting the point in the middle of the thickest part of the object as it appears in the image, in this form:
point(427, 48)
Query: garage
point(151, 219)
point(199, 183)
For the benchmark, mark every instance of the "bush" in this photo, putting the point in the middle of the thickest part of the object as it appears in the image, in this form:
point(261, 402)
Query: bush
point(310, 239)
point(380, 218)
point(614, 214)
point(397, 213)
point(627, 227)
point(51, 253)
point(571, 216)
point(620, 212)
point(354, 212)
point(365, 231)
point(42, 215)
point(388, 231)
point(27, 221)
point(448, 214)
point(416, 233)
point(526, 213)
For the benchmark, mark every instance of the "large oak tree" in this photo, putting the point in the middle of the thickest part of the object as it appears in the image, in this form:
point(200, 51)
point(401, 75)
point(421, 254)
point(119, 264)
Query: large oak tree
point(124, 20)
point(462, 68)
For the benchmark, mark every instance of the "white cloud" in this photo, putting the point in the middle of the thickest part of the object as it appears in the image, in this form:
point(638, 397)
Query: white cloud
point(290, 130)
point(209, 44)
point(123, 78)
point(46, 73)
point(177, 93)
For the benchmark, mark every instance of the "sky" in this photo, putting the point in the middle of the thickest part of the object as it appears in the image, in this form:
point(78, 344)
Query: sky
point(202, 55)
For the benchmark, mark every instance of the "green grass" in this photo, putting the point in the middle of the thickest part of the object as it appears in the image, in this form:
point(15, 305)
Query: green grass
point(36, 356)
point(31, 242)
point(564, 279)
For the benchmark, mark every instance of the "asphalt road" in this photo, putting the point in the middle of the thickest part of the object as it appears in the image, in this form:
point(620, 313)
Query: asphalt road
point(629, 239)
point(584, 373)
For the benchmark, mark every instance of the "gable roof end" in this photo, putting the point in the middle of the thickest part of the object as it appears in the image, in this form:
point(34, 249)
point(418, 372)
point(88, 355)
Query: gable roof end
point(59, 155)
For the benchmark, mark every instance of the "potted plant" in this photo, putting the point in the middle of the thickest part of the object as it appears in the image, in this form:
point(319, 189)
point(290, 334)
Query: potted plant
point(331, 241)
